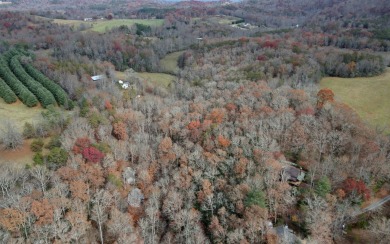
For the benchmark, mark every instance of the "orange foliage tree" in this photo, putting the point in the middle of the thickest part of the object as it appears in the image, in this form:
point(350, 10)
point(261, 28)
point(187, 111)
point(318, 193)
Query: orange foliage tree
point(44, 211)
point(119, 131)
point(323, 96)
point(224, 142)
point(11, 219)
point(217, 115)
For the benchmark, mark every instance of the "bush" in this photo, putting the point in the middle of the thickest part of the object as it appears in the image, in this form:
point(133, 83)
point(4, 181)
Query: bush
point(29, 130)
point(255, 197)
point(103, 147)
point(95, 119)
point(323, 186)
point(57, 156)
point(55, 141)
point(115, 180)
point(37, 145)
point(38, 158)
point(84, 107)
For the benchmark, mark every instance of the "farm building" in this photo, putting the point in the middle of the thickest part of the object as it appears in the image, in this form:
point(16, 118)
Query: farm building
point(97, 77)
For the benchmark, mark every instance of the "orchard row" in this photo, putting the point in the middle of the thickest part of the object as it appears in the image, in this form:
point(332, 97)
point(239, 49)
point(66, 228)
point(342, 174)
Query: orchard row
point(21, 80)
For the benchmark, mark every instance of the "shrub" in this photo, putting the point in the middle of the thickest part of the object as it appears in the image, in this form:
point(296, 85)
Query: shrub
point(95, 119)
point(29, 130)
point(115, 180)
point(55, 141)
point(84, 107)
point(38, 158)
point(255, 197)
point(37, 145)
point(103, 147)
point(57, 156)
point(323, 186)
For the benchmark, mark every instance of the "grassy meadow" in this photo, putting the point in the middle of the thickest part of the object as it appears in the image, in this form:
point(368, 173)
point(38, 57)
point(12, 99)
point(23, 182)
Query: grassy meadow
point(368, 96)
point(223, 19)
point(160, 79)
point(19, 113)
point(169, 62)
point(102, 25)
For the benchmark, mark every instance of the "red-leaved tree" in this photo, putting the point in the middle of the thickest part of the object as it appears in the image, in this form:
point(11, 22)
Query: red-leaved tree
point(81, 144)
point(351, 185)
point(92, 154)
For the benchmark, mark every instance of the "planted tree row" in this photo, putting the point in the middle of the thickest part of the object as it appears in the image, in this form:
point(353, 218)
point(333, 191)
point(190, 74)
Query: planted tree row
point(59, 94)
point(44, 96)
point(11, 53)
point(26, 96)
point(6, 92)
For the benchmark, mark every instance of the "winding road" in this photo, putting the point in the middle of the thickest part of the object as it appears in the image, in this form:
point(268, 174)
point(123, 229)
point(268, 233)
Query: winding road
point(372, 206)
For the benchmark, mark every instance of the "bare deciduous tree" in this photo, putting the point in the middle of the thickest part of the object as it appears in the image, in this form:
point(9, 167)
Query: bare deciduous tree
point(101, 201)
point(10, 135)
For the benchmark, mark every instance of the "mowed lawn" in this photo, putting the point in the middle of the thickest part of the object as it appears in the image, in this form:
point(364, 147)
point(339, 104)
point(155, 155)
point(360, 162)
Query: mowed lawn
point(103, 25)
point(368, 96)
point(160, 79)
point(169, 62)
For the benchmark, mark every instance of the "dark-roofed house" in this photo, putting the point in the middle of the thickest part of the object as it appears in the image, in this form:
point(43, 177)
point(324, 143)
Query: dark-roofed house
point(292, 173)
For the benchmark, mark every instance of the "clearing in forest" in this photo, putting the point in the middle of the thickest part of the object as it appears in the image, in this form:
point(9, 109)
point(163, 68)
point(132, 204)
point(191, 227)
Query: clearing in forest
point(102, 25)
point(169, 62)
point(19, 113)
point(223, 19)
point(368, 96)
point(160, 79)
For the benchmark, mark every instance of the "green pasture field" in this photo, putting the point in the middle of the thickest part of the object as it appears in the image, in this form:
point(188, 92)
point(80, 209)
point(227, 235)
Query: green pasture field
point(368, 96)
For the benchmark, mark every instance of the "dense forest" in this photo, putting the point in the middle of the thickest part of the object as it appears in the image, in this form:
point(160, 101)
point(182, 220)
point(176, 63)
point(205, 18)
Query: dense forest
point(241, 142)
